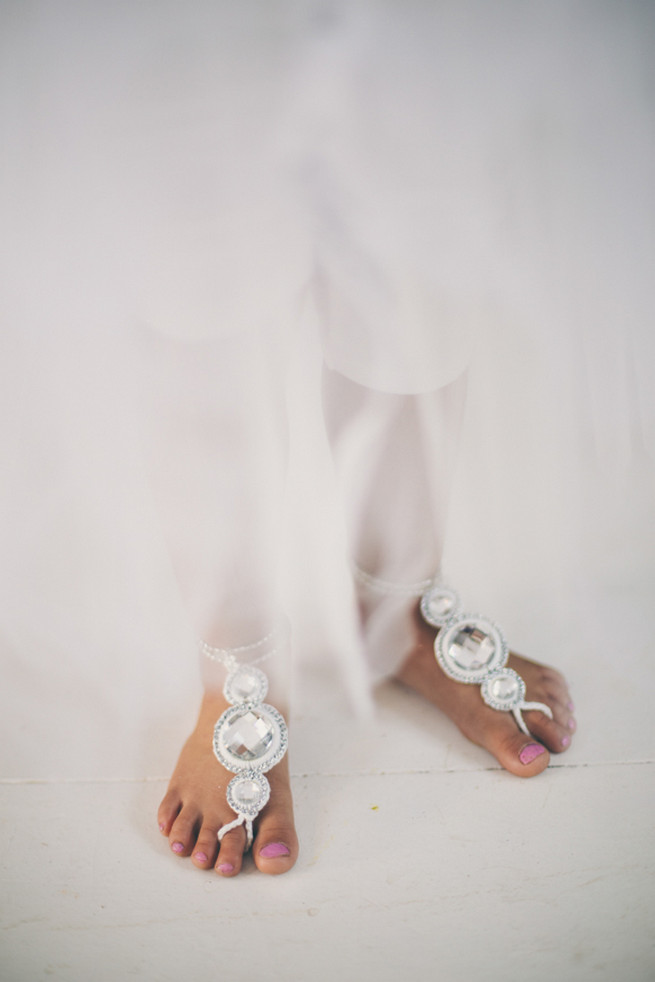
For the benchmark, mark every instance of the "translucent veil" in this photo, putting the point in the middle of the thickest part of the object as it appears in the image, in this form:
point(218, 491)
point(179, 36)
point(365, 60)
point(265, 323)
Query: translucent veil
point(219, 219)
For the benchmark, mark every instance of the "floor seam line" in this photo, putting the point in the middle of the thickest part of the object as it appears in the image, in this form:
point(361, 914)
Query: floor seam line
point(18, 782)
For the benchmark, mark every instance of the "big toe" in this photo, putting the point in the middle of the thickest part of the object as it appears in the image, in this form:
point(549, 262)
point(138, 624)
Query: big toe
point(520, 754)
point(275, 849)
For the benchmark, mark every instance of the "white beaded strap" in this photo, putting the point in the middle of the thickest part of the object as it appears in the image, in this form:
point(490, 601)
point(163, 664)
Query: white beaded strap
point(386, 586)
point(250, 654)
point(472, 649)
point(250, 737)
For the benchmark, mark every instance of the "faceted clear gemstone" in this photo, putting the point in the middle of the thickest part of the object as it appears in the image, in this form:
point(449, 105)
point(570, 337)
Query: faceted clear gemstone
point(244, 685)
point(246, 792)
point(440, 606)
point(471, 648)
point(505, 688)
point(249, 735)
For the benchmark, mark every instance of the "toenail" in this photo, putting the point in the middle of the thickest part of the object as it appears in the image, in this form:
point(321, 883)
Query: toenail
point(572, 724)
point(225, 868)
point(570, 706)
point(531, 752)
point(200, 856)
point(566, 740)
point(161, 826)
point(177, 847)
point(273, 850)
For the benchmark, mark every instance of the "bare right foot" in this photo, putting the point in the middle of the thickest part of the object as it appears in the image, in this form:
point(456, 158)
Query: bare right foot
point(496, 731)
point(194, 808)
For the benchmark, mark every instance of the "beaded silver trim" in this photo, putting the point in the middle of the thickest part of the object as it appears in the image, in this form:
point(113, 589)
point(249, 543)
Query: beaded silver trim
point(472, 649)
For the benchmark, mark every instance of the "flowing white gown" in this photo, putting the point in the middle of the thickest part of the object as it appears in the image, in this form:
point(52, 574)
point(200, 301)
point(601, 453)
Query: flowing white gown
point(438, 182)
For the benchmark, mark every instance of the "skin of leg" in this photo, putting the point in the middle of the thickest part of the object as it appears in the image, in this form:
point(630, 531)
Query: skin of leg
point(497, 732)
point(194, 807)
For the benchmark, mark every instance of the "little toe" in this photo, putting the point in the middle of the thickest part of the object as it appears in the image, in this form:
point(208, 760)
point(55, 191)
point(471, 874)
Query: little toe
point(230, 852)
point(184, 831)
point(168, 812)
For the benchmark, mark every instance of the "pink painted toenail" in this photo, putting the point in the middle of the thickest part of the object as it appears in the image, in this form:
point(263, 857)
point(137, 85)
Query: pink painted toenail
point(572, 724)
point(161, 826)
point(566, 740)
point(273, 850)
point(531, 752)
point(570, 706)
point(177, 847)
point(225, 868)
point(200, 856)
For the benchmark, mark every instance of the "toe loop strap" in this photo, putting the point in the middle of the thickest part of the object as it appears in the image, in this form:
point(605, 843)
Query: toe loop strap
point(472, 649)
point(241, 820)
point(518, 716)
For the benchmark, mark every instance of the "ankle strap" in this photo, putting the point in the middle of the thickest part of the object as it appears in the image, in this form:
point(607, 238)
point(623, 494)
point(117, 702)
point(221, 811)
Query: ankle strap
point(250, 654)
point(374, 583)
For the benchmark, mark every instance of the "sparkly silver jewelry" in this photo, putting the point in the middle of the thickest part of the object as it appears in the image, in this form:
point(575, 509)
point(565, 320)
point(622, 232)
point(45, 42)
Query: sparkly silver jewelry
point(472, 649)
point(250, 737)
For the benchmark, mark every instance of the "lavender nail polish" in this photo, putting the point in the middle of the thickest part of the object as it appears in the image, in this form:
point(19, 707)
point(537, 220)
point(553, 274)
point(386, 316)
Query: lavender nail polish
point(273, 850)
point(225, 868)
point(531, 752)
point(177, 847)
point(200, 856)
point(566, 740)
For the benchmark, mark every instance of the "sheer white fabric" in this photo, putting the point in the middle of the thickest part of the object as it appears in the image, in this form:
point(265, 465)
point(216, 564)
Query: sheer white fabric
point(183, 181)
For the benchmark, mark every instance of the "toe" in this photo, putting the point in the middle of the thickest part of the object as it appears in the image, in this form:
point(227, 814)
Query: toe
point(206, 847)
point(184, 831)
point(230, 853)
point(168, 812)
point(522, 755)
point(275, 849)
point(554, 733)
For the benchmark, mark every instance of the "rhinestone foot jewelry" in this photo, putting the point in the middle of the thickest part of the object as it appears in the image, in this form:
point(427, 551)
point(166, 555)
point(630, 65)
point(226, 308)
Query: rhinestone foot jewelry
point(473, 649)
point(250, 737)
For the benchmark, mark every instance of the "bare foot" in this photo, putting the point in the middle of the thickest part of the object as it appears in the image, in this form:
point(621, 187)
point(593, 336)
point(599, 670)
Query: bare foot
point(194, 808)
point(496, 731)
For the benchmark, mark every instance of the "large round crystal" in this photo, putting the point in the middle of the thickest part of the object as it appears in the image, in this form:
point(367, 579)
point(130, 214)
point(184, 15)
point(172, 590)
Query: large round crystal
point(471, 648)
point(250, 738)
point(249, 735)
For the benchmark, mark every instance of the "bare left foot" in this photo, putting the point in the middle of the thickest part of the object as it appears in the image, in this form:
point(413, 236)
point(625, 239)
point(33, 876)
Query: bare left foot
point(496, 731)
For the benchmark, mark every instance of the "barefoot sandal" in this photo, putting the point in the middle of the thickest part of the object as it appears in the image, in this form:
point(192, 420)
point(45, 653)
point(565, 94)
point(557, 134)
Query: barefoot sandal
point(472, 649)
point(251, 736)
point(469, 648)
